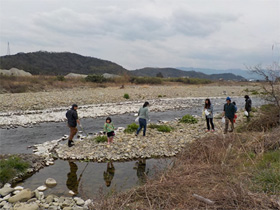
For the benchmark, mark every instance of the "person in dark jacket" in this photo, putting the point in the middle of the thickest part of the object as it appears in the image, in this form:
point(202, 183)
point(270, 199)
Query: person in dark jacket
point(209, 114)
point(248, 106)
point(229, 112)
point(72, 120)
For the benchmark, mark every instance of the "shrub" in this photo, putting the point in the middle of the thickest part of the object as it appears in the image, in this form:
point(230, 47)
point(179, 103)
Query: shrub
point(100, 139)
point(188, 119)
point(146, 80)
point(10, 167)
point(164, 128)
point(126, 96)
point(95, 78)
point(161, 128)
point(159, 96)
point(60, 78)
point(132, 128)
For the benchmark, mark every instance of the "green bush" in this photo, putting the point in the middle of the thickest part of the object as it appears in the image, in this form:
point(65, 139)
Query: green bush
point(164, 128)
point(9, 168)
point(161, 128)
point(95, 78)
point(100, 139)
point(188, 119)
point(126, 96)
point(132, 128)
point(60, 78)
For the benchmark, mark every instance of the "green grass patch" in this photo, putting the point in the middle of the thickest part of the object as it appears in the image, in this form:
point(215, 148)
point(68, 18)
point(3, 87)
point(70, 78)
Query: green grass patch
point(126, 96)
point(161, 128)
point(188, 119)
point(10, 167)
point(100, 139)
point(267, 107)
point(266, 178)
point(131, 128)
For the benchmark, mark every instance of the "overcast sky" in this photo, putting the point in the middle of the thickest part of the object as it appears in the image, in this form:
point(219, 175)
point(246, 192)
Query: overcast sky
point(220, 34)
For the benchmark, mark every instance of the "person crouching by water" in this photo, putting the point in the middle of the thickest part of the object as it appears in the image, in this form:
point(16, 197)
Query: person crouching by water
point(109, 129)
point(208, 110)
point(143, 115)
point(72, 119)
point(229, 112)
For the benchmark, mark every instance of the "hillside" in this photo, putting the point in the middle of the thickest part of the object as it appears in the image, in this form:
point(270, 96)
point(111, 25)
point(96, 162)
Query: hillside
point(244, 73)
point(59, 63)
point(172, 72)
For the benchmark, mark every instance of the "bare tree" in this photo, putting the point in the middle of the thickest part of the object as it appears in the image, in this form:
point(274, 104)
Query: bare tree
point(271, 78)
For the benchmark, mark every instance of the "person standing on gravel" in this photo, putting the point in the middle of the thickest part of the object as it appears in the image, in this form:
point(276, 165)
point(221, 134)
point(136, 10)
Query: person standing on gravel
point(208, 110)
point(72, 119)
point(248, 106)
point(229, 112)
point(143, 115)
point(109, 129)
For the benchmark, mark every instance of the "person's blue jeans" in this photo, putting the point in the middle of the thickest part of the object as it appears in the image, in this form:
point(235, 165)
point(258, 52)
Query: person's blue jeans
point(142, 124)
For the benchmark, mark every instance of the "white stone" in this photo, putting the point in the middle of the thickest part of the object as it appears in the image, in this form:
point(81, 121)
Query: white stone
point(42, 188)
point(79, 201)
point(50, 182)
point(18, 188)
point(71, 192)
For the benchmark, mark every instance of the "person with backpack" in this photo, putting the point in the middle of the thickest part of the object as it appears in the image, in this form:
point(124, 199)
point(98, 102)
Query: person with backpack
point(72, 121)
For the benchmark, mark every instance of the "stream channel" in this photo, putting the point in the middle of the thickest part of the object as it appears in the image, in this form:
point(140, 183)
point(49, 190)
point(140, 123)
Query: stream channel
point(90, 178)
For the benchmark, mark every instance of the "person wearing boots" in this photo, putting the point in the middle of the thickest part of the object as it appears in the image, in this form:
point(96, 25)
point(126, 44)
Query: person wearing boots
point(229, 112)
point(72, 119)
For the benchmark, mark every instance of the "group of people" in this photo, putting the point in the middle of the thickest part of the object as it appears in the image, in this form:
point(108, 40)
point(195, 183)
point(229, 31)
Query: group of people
point(229, 113)
point(109, 128)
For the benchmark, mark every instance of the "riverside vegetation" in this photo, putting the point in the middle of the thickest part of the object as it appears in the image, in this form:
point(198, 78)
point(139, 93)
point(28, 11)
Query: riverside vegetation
point(233, 171)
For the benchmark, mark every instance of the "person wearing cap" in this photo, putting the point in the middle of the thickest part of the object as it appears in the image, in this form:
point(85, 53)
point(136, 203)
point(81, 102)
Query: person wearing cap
point(229, 112)
point(72, 120)
point(248, 106)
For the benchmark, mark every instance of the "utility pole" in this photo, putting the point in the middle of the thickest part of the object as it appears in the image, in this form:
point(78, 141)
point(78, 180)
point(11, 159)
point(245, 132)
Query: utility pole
point(8, 49)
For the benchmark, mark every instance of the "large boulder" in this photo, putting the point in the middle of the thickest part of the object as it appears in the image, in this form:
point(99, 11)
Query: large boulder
point(22, 196)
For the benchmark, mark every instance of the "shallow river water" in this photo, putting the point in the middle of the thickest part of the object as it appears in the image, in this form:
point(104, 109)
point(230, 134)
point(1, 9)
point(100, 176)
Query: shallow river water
point(95, 176)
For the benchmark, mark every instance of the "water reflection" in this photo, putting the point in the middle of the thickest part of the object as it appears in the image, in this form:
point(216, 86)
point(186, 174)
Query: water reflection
point(108, 175)
point(141, 173)
point(73, 181)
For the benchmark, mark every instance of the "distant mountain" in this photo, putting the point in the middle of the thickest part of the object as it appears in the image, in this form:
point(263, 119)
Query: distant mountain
point(59, 63)
point(173, 72)
point(244, 73)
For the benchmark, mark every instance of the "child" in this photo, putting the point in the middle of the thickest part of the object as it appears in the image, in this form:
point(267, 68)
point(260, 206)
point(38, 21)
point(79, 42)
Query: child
point(109, 129)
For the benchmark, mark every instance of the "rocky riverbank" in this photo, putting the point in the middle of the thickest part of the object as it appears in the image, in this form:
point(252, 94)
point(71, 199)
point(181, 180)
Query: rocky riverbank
point(128, 146)
point(19, 198)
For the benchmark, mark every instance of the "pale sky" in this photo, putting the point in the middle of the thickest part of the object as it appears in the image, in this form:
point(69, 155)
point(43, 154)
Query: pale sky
point(216, 34)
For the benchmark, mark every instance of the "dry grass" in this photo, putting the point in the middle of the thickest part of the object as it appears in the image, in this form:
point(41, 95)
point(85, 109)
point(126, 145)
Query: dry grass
point(217, 167)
